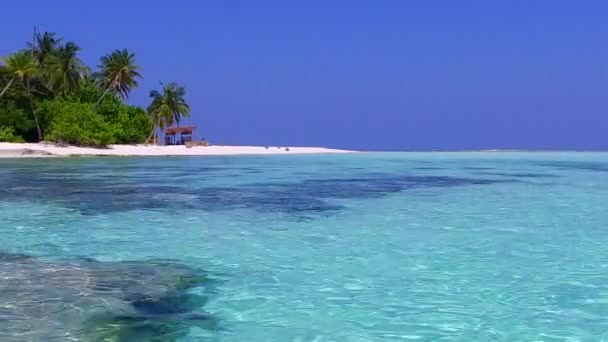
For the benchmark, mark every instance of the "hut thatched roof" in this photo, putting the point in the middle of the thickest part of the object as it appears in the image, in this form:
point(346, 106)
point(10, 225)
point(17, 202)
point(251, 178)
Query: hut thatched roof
point(180, 130)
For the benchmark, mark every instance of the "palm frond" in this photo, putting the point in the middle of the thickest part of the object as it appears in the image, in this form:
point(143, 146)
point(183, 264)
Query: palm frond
point(168, 106)
point(118, 73)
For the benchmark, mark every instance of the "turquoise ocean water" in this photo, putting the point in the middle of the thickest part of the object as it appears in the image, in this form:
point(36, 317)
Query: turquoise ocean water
point(365, 247)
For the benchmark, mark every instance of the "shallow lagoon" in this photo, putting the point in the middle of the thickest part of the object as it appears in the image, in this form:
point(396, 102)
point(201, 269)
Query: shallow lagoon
point(366, 247)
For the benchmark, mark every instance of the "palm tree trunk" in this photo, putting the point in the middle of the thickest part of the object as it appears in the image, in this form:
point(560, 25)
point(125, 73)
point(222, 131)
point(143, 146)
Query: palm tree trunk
point(33, 108)
point(156, 132)
point(7, 86)
point(152, 134)
point(40, 138)
point(101, 97)
point(36, 121)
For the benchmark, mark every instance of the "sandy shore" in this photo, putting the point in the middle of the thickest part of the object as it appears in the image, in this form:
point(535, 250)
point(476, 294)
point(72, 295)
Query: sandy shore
point(12, 150)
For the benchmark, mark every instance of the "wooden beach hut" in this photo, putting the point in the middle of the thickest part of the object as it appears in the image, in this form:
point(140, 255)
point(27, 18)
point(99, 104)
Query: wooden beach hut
point(179, 135)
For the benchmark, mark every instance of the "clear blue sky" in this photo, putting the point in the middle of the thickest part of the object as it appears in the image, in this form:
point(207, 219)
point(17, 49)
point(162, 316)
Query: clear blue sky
point(376, 74)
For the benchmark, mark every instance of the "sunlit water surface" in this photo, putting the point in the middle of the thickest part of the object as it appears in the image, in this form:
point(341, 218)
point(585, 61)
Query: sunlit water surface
point(369, 247)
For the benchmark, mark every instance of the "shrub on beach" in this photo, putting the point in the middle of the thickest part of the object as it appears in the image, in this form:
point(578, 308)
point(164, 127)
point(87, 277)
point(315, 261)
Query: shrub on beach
point(131, 125)
point(14, 118)
point(78, 123)
point(7, 134)
point(75, 123)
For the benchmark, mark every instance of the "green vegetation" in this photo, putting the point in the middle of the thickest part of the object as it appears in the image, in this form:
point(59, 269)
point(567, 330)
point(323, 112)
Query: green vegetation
point(76, 123)
point(167, 108)
point(118, 74)
point(7, 134)
point(48, 93)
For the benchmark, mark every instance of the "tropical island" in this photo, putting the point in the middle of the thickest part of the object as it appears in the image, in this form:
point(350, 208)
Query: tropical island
point(51, 103)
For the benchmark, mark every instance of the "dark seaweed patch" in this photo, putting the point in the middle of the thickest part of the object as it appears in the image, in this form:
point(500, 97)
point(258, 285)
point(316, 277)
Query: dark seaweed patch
point(570, 165)
point(428, 168)
point(86, 299)
point(517, 174)
point(140, 188)
point(314, 196)
point(478, 168)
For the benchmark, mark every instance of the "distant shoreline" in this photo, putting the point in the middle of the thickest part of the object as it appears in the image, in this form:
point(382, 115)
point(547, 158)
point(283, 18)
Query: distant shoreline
point(486, 151)
point(42, 150)
point(33, 150)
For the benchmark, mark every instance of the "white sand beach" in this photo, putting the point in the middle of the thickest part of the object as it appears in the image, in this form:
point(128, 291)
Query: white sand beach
point(30, 150)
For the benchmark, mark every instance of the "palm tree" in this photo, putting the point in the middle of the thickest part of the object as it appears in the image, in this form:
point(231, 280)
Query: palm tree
point(18, 66)
point(65, 71)
point(118, 74)
point(167, 107)
point(45, 44)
